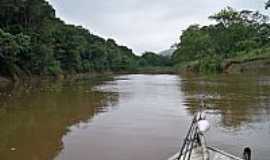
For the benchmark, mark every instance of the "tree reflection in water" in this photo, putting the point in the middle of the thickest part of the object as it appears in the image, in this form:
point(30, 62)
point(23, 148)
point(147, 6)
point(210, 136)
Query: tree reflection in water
point(238, 100)
point(34, 118)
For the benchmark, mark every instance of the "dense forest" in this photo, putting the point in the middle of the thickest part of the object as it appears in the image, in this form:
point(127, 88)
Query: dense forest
point(33, 41)
point(236, 36)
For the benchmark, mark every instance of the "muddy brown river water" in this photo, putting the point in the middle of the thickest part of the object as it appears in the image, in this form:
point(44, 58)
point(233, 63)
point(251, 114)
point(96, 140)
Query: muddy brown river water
point(133, 117)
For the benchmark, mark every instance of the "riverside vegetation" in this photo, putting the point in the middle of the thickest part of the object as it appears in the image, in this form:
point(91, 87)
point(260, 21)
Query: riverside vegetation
point(236, 37)
point(33, 41)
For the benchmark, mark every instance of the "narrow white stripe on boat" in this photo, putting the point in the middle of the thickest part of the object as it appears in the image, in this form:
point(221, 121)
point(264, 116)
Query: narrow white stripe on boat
point(225, 154)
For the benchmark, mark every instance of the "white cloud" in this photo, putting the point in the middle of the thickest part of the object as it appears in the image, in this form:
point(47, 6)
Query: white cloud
point(144, 24)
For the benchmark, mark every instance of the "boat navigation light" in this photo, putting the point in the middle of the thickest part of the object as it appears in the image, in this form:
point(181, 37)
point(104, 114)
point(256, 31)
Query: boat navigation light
point(203, 126)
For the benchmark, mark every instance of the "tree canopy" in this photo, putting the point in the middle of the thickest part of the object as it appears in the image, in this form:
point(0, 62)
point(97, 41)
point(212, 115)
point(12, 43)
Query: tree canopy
point(150, 59)
point(235, 33)
point(34, 41)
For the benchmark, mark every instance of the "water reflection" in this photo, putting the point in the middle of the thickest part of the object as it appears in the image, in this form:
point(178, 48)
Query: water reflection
point(238, 100)
point(34, 118)
point(146, 116)
point(147, 124)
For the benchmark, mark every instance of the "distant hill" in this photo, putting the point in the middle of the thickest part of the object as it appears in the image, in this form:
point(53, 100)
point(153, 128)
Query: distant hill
point(168, 52)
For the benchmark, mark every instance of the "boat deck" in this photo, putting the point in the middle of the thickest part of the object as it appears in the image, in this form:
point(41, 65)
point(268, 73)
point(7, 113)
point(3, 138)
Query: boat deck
point(214, 154)
point(194, 146)
point(217, 154)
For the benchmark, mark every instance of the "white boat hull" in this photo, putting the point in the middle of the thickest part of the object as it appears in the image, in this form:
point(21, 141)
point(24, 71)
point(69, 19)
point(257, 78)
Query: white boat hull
point(195, 147)
point(214, 154)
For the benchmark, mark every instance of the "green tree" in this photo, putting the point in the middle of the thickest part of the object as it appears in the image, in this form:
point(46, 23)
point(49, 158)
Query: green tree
point(34, 41)
point(235, 32)
point(14, 53)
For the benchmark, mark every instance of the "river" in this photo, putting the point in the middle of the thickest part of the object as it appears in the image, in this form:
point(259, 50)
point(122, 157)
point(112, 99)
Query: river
point(133, 117)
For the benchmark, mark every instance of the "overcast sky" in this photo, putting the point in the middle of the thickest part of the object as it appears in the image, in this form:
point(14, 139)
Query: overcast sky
point(144, 25)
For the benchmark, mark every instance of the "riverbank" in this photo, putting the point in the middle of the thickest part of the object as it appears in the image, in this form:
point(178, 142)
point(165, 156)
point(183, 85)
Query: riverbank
point(84, 76)
point(155, 70)
point(11, 89)
point(254, 61)
point(250, 65)
point(251, 62)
